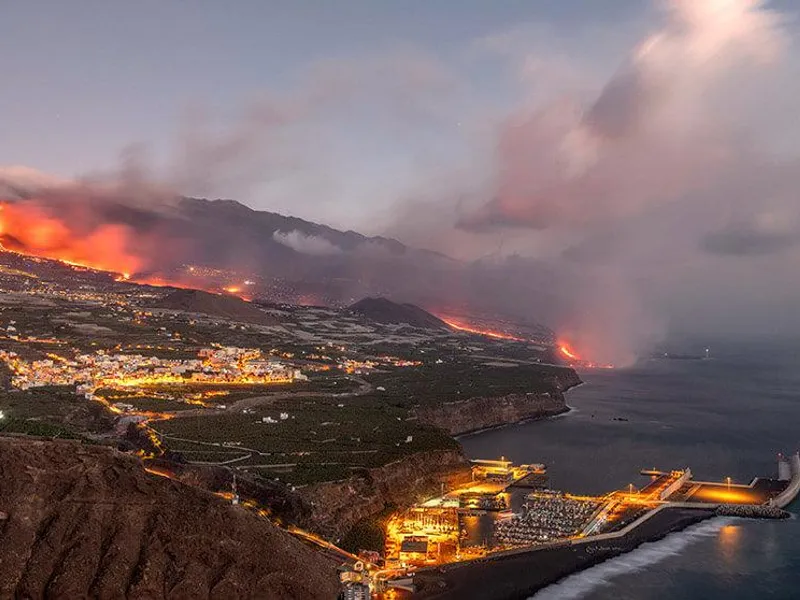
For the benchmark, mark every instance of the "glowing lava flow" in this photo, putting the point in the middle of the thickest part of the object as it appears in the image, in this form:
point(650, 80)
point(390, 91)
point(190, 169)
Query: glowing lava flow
point(30, 230)
point(27, 229)
point(460, 326)
point(569, 352)
point(565, 349)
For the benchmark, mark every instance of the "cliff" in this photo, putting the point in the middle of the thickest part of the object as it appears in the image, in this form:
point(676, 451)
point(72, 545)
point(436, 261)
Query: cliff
point(81, 521)
point(464, 416)
point(338, 505)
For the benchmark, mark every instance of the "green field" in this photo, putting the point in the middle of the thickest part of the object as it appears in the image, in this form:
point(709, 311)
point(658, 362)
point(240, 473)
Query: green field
point(449, 381)
point(319, 439)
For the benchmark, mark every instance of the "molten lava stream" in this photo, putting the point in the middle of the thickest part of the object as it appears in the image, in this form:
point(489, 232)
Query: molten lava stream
point(567, 351)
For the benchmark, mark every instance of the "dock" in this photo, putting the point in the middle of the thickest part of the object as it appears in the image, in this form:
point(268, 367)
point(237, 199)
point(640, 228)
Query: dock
point(670, 501)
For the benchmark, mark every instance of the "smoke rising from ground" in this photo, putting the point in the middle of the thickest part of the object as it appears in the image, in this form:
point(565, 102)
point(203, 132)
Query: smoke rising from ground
point(662, 199)
point(632, 192)
point(306, 244)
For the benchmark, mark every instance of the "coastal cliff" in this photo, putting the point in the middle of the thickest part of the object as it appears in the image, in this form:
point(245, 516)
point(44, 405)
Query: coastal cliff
point(464, 416)
point(338, 505)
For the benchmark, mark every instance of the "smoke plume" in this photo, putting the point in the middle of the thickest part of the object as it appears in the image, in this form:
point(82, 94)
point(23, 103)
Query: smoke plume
point(306, 244)
point(662, 199)
point(626, 194)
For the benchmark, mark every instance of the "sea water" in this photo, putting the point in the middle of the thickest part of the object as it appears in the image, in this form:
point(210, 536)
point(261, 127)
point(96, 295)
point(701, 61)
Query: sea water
point(724, 417)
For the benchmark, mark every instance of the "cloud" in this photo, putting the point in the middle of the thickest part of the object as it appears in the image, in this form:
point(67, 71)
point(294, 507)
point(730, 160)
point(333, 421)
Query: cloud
point(631, 190)
point(306, 244)
point(606, 189)
point(654, 131)
point(760, 238)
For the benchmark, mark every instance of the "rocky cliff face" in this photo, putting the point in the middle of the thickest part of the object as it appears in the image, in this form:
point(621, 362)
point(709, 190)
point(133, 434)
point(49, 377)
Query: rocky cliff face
point(82, 521)
point(473, 414)
point(338, 505)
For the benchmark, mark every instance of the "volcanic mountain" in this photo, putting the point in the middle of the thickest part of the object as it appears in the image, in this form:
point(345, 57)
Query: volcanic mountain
point(215, 244)
point(87, 521)
point(215, 305)
point(383, 310)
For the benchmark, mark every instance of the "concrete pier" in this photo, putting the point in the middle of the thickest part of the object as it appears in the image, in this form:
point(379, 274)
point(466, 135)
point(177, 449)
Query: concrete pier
point(788, 495)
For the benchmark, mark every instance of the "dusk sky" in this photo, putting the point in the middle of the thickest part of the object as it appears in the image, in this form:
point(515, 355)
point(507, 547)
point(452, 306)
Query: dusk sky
point(86, 79)
point(646, 149)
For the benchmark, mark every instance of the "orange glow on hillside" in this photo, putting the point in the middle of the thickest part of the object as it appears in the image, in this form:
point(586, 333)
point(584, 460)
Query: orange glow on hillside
point(27, 229)
point(575, 359)
point(461, 326)
point(567, 351)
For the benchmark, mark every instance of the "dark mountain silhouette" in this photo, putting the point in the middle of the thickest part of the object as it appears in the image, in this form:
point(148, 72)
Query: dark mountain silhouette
point(383, 310)
point(296, 261)
point(216, 305)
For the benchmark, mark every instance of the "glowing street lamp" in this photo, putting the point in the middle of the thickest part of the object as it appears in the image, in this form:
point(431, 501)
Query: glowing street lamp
point(728, 479)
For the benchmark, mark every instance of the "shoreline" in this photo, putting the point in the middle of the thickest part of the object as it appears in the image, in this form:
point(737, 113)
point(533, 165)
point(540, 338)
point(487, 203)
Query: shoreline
point(520, 575)
point(561, 413)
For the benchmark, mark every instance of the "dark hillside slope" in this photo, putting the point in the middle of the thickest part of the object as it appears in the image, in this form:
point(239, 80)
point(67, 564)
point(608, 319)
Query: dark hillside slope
point(81, 521)
point(382, 310)
point(215, 305)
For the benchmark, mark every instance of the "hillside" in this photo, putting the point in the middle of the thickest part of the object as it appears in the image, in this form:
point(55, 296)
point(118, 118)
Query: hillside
point(216, 305)
point(287, 259)
point(86, 521)
point(382, 310)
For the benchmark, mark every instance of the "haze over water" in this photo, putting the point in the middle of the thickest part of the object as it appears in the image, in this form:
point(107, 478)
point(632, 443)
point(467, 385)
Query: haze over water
point(728, 416)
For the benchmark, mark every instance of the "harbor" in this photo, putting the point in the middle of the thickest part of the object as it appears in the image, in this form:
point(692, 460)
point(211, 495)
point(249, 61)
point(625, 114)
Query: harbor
point(508, 528)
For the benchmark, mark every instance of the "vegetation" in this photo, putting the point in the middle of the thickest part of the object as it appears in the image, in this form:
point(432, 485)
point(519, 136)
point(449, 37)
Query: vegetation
point(368, 534)
point(449, 381)
point(38, 428)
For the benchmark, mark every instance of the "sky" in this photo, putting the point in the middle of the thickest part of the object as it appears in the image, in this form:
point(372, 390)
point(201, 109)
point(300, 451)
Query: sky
point(644, 152)
point(87, 80)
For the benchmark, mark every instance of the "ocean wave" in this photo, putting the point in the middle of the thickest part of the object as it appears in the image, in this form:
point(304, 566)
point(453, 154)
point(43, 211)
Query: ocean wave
point(580, 584)
point(571, 412)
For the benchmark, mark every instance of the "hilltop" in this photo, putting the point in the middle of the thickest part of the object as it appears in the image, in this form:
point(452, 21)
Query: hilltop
point(383, 310)
point(87, 521)
point(216, 305)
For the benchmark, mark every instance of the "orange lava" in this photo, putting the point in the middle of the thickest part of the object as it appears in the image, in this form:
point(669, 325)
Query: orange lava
point(567, 351)
point(461, 326)
point(160, 472)
point(27, 229)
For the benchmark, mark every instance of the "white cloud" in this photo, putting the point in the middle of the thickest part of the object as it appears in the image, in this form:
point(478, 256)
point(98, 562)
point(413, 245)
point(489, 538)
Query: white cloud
point(306, 244)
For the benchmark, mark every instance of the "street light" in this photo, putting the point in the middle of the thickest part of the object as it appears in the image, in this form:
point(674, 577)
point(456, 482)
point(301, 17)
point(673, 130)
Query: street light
point(728, 479)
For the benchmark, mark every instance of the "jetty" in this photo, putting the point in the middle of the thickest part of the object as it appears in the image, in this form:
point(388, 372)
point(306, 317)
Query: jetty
point(619, 522)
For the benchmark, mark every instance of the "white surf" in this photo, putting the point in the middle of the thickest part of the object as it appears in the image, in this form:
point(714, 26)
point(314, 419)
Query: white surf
point(649, 553)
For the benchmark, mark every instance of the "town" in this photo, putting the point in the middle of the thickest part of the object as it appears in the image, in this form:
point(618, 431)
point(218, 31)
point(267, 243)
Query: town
point(213, 366)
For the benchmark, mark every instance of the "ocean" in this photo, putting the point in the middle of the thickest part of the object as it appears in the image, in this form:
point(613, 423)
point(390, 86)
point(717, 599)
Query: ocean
point(728, 416)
